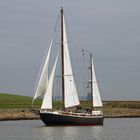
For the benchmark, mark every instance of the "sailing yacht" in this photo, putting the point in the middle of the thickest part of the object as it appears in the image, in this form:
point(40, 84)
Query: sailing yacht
point(69, 92)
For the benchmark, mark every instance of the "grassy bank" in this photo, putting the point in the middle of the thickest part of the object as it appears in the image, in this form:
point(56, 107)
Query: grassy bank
point(10, 101)
point(121, 109)
point(17, 107)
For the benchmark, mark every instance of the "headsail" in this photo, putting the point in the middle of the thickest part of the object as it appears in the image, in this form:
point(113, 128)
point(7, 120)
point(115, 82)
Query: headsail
point(71, 97)
point(96, 94)
point(47, 100)
point(43, 81)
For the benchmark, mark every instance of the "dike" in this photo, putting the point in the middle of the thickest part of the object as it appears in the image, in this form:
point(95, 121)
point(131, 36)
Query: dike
point(17, 114)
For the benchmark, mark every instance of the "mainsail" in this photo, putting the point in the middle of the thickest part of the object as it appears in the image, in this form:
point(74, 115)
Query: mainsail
point(96, 94)
point(43, 81)
point(47, 100)
point(71, 97)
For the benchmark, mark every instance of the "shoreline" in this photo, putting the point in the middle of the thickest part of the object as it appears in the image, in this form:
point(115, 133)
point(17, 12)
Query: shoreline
point(26, 114)
point(17, 114)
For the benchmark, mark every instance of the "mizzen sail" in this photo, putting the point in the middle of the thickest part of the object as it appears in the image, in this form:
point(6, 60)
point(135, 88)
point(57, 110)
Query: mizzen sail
point(96, 94)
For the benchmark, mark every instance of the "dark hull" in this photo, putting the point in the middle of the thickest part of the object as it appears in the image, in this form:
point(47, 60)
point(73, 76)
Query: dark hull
point(63, 119)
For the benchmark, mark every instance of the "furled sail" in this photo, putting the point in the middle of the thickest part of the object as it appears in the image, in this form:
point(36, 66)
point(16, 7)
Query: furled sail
point(71, 97)
point(96, 94)
point(43, 81)
point(47, 100)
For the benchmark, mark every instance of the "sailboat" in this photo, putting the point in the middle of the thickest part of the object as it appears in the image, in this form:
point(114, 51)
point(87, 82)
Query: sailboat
point(68, 88)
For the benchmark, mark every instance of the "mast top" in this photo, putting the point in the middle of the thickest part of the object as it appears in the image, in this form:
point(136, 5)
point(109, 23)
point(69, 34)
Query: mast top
point(61, 9)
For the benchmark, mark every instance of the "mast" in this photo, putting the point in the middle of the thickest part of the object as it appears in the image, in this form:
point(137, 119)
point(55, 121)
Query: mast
point(62, 58)
point(91, 74)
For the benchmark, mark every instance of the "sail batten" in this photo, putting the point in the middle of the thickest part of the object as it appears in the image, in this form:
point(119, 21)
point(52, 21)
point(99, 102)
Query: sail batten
point(71, 97)
point(43, 81)
point(96, 94)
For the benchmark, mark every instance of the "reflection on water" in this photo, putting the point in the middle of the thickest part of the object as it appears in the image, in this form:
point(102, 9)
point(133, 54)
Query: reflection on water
point(73, 132)
point(113, 129)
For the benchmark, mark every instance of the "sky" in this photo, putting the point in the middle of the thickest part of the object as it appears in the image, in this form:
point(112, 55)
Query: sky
point(108, 28)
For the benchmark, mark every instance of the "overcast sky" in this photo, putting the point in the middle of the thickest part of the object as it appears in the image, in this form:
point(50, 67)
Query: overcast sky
point(108, 28)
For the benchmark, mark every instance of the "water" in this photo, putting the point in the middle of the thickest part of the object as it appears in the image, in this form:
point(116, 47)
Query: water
point(113, 129)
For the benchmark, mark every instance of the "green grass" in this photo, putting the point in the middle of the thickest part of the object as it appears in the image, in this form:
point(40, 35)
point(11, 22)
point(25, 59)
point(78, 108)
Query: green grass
point(123, 104)
point(10, 101)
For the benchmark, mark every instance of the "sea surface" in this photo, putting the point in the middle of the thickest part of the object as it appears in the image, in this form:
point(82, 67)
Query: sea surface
point(113, 129)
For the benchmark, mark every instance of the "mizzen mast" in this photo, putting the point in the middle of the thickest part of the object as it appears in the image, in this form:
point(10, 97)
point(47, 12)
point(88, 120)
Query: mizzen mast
point(91, 82)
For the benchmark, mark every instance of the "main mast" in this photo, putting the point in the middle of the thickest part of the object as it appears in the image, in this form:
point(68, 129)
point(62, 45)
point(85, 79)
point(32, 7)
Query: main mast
point(62, 58)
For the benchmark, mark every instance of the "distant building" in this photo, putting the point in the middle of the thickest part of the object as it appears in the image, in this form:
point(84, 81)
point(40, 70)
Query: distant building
point(89, 97)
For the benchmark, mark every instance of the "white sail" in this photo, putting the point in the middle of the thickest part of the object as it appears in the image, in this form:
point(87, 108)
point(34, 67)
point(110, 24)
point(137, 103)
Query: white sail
point(47, 100)
point(71, 97)
point(43, 81)
point(96, 94)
